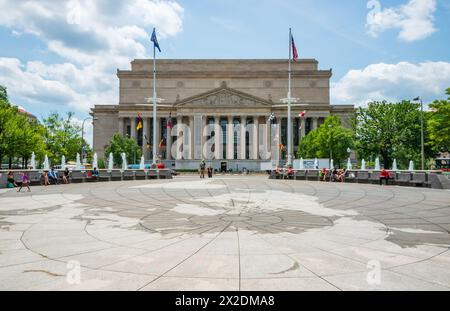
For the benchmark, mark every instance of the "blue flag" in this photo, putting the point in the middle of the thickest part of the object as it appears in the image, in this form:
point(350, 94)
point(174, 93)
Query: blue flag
point(155, 40)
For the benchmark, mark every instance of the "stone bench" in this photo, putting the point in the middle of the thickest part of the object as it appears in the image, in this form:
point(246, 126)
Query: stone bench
point(104, 175)
point(419, 179)
point(128, 175)
point(374, 177)
point(362, 177)
point(300, 175)
point(350, 176)
point(78, 176)
point(140, 174)
point(312, 175)
point(116, 175)
point(403, 179)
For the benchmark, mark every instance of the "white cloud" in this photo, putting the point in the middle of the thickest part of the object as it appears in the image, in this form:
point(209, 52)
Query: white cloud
point(94, 37)
point(392, 82)
point(414, 19)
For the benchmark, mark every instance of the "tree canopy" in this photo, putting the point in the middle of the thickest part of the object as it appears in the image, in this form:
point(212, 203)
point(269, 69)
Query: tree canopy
point(120, 144)
point(330, 137)
point(439, 124)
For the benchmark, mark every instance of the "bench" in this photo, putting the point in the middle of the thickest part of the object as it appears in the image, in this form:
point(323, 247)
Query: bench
point(35, 178)
point(91, 178)
point(115, 175)
point(77, 176)
point(419, 179)
point(312, 175)
point(152, 174)
point(350, 176)
point(104, 175)
point(140, 174)
point(362, 177)
point(128, 175)
point(300, 175)
point(374, 177)
point(403, 179)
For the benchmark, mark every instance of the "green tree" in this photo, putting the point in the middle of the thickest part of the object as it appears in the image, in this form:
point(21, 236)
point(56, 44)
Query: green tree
point(389, 130)
point(439, 124)
point(329, 138)
point(120, 144)
point(63, 137)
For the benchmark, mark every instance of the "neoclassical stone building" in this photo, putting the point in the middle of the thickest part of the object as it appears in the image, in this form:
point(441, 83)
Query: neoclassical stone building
point(228, 95)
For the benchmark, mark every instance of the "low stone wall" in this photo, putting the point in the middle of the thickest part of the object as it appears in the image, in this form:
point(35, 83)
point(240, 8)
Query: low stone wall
point(430, 179)
point(35, 176)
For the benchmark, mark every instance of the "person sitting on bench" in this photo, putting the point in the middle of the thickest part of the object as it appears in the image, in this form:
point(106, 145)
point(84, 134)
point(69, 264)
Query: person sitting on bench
point(52, 176)
point(384, 175)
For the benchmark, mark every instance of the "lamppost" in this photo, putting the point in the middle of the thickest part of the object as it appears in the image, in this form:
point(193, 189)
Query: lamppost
point(83, 159)
point(421, 131)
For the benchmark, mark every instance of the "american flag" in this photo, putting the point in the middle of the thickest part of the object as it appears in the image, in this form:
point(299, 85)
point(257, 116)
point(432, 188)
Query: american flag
point(294, 49)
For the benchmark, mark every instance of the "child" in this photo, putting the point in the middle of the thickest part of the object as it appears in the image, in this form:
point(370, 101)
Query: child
point(25, 183)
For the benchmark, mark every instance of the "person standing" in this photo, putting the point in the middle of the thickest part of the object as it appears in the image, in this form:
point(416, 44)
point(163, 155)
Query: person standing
point(202, 169)
point(25, 182)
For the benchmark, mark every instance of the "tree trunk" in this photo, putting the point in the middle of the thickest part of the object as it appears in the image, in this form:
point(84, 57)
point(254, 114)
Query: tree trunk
point(10, 163)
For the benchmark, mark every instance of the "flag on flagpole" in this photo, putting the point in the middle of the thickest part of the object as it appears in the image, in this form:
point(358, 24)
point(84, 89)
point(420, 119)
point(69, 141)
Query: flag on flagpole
point(154, 39)
point(272, 118)
point(294, 49)
point(139, 124)
point(302, 114)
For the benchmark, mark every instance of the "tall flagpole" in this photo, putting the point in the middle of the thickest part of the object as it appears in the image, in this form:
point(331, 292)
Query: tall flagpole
point(154, 105)
point(289, 121)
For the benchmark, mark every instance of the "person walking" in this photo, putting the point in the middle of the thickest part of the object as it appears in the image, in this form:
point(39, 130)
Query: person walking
point(25, 182)
point(45, 178)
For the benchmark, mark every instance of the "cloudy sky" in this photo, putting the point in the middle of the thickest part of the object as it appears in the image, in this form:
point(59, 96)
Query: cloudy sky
point(63, 55)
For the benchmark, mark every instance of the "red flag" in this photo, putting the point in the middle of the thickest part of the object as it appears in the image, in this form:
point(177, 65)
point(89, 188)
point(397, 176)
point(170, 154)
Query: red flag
point(302, 114)
point(294, 49)
point(170, 121)
point(139, 123)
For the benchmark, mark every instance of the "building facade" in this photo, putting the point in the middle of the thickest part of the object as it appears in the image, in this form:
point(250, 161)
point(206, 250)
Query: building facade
point(227, 97)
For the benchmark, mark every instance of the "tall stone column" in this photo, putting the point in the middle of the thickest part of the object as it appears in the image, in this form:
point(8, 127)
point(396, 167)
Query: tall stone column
point(121, 126)
point(133, 128)
point(145, 131)
point(191, 137)
point(203, 135)
point(198, 132)
point(230, 138)
point(255, 138)
point(169, 143)
point(243, 132)
point(268, 140)
point(179, 138)
point(158, 136)
point(303, 130)
point(217, 144)
point(315, 122)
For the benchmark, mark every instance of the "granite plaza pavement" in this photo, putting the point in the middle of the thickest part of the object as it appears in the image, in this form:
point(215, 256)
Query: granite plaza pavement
point(228, 233)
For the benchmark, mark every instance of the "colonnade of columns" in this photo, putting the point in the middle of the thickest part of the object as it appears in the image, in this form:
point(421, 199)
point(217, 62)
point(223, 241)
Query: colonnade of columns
point(238, 146)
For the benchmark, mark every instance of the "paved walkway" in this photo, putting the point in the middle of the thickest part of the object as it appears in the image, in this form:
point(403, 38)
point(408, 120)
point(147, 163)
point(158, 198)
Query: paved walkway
point(230, 233)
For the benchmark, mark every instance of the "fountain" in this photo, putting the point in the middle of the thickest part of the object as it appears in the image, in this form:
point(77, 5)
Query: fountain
point(110, 162)
point(124, 161)
point(363, 165)
point(411, 166)
point(394, 165)
point(78, 165)
point(63, 163)
point(349, 164)
point(46, 164)
point(302, 165)
point(316, 164)
point(332, 164)
point(94, 161)
point(377, 164)
point(33, 161)
point(142, 164)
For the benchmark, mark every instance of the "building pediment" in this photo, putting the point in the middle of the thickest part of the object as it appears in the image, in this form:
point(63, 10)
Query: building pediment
point(223, 97)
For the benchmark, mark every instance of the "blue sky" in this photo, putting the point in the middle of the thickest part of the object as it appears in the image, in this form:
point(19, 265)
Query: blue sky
point(62, 55)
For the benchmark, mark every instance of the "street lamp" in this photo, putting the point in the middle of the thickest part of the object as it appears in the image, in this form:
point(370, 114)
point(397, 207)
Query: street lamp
point(421, 130)
point(82, 136)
